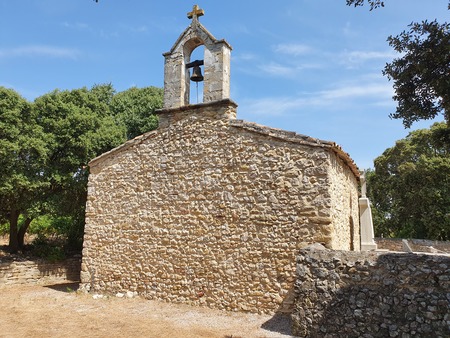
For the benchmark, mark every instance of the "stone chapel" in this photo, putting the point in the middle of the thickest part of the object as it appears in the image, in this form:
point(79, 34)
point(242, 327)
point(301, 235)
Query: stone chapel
point(209, 209)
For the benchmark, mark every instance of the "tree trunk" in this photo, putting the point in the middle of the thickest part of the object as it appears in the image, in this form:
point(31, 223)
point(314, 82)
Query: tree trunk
point(13, 231)
point(22, 231)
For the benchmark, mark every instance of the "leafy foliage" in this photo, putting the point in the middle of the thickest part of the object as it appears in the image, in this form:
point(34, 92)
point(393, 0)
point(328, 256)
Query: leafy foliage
point(77, 126)
point(48, 226)
point(23, 154)
point(410, 187)
point(45, 148)
point(4, 229)
point(50, 250)
point(135, 107)
point(420, 76)
point(372, 3)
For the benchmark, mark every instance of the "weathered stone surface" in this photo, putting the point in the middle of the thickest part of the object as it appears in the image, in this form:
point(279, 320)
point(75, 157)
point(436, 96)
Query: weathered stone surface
point(417, 245)
point(217, 56)
point(211, 211)
point(38, 271)
point(368, 294)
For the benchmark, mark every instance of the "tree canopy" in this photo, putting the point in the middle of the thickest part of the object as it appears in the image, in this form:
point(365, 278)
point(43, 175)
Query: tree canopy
point(420, 75)
point(45, 148)
point(23, 154)
point(134, 108)
point(410, 187)
point(78, 126)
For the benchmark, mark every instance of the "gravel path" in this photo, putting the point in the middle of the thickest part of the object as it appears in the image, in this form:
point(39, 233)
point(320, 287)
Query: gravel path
point(57, 311)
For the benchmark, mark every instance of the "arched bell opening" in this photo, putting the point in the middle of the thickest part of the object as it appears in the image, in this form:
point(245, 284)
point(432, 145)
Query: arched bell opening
point(194, 55)
point(195, 75)
point(179, 89)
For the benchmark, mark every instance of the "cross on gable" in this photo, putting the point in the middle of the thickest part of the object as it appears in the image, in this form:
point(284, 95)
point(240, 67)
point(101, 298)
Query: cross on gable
point(196, 12)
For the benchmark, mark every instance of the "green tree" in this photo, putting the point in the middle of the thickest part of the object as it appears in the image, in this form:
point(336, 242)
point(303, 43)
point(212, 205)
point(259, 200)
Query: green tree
point(78, 126)
point(45, 148)
point(420, 75)
point(410, 187)
point(135, 109)
point(23, 155)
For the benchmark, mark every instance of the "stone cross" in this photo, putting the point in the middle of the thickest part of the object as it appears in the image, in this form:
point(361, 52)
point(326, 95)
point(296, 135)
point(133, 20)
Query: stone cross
point(196, 12)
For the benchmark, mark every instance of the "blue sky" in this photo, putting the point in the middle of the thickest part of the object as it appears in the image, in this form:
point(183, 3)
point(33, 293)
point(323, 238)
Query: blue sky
point(309, 66)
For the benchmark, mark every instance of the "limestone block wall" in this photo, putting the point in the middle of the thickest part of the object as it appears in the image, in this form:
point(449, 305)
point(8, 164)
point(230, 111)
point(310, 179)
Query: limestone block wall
point(217, 72)
point(176, 89)
point(39, 271)
point(343, 204)
point(217, 57)
point(416, 245)
point(369, 294)
point(208, 210)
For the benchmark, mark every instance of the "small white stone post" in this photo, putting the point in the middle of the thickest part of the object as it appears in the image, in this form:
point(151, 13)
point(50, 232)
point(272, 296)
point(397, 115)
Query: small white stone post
point(365, 215)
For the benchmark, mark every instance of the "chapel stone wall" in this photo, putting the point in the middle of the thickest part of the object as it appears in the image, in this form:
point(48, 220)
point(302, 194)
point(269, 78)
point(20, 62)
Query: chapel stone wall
point(209, 210)
point(344, 206)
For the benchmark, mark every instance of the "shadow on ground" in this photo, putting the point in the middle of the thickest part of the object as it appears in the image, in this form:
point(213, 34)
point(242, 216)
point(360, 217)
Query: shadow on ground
point(279, 323)
point(64, 287)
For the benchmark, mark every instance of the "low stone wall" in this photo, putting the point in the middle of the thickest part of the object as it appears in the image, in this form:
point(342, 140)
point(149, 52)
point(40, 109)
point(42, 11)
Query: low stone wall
point(39, 271)
point(416, 245)
point(370, 294)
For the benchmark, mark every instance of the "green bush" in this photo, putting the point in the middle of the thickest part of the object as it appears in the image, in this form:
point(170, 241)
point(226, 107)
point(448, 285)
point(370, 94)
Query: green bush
point(4, 229)
point(54, 236)
point(49, 226)
point(50, 250)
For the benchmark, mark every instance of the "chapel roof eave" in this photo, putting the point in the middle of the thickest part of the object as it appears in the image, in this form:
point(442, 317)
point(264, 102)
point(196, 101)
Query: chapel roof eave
point(124, 146)
point(291, 136)
point(287, 136)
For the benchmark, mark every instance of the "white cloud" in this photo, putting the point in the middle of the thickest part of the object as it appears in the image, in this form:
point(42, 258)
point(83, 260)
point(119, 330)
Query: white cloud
point(272, 106)
point(276, 69)
point(106, 34)
point(349, 31)
point(369, 55)
point(244, 57)
point(40, 51)
point(354, 59)
point(357, 91)
point(76, 25)
point(134, 28)
point(342, 96)
point(287, 71)
point(293, 49)
point(140, 29)
point(117, 31)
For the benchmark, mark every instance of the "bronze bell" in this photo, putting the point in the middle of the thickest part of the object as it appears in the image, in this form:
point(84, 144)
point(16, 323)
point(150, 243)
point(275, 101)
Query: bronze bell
point(197, 74)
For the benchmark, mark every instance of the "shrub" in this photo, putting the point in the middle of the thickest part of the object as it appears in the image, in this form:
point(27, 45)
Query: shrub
point(50, 250)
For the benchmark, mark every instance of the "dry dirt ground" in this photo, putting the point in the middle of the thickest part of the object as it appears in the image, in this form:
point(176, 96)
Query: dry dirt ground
point(60, 311)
